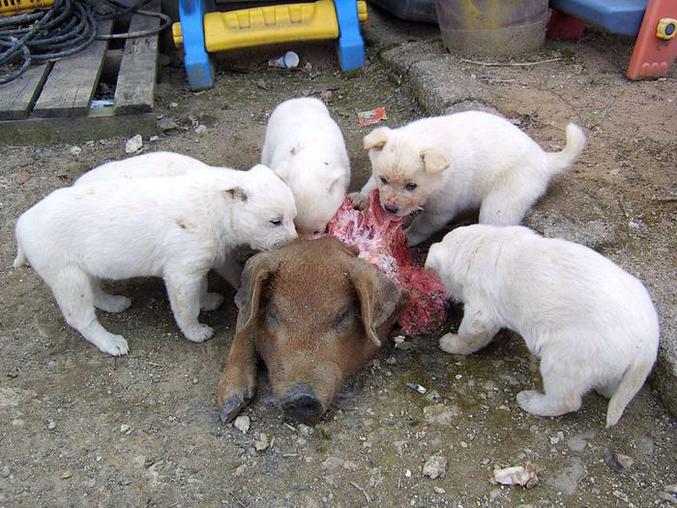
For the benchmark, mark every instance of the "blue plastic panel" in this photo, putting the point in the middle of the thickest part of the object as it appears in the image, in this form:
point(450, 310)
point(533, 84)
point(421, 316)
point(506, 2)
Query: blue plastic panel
point(615, 16)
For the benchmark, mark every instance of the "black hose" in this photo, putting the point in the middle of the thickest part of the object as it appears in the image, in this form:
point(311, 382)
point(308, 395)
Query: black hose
point(68, 27)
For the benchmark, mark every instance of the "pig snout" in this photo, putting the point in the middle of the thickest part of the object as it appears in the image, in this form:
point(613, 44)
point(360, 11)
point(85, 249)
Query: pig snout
point(301, 404)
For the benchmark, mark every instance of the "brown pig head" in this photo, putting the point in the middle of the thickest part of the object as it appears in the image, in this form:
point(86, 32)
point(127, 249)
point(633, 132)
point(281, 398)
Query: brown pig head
point(316, 314)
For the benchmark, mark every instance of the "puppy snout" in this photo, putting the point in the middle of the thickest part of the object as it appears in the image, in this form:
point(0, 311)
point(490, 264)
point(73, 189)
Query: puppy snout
point(301, 404)
point(391, 208)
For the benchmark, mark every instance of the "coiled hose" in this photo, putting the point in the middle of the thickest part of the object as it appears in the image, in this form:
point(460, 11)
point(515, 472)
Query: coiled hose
point(68, 27)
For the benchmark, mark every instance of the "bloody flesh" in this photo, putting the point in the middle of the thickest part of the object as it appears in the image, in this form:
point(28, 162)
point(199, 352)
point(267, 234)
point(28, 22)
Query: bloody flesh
point(380, 238)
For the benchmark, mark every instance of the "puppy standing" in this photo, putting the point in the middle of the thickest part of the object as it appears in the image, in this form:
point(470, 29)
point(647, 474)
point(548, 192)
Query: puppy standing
point(592, 324)
point(160, 164)
point(305, 147)
point(452, 163)
point(176, 228)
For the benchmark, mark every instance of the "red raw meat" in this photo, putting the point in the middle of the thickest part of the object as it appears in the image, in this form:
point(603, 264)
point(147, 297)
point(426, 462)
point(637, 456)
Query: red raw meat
point(380, 237)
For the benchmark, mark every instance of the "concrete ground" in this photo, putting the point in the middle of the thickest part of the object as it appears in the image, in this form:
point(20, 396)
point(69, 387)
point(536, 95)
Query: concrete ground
point(80, 428)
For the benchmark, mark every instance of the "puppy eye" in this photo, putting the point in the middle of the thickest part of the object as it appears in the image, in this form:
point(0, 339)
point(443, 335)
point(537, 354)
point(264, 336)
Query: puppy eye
point(276, 222)
point(384, 180)
point(410, 187)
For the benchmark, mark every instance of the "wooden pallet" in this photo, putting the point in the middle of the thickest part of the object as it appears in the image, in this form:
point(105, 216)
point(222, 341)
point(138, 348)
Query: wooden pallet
point(52, 102)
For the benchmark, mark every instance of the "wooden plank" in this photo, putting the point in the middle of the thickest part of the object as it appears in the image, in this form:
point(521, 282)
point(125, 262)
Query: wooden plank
point(17, 97)
point(100, 124)
point(71, 84)
point(135, 88)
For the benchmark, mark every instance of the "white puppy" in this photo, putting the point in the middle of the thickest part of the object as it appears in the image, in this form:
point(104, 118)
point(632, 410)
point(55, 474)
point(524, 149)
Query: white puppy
point(465, 161)
point(592, 324)
point(160, 164)
point(176, 228)
point(305, 147)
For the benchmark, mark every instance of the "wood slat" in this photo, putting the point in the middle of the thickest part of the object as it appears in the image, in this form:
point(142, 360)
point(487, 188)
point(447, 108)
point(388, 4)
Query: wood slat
point(71, 84)
point(135, 88)
point(17, 97)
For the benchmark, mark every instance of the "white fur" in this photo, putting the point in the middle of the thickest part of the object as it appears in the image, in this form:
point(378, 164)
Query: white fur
point(176, 228)
point(160, 164)
point(145, 166)
point(305, 147)
point(592, 325)
point(458, 162)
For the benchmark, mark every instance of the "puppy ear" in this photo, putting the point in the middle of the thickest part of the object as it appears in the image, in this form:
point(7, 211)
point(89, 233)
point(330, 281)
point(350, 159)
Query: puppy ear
point(256, 273)
point(380, 299)
point(377, 138)
point(434, 161)
point(335, 180)
point(236, 194)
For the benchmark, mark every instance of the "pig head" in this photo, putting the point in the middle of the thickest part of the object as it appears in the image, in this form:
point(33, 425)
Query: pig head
point(316, 314)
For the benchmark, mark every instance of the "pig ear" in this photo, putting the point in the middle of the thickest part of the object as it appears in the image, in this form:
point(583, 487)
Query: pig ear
point(434, 161)
point(379, 297)
point(377, 138)
point(257, 271)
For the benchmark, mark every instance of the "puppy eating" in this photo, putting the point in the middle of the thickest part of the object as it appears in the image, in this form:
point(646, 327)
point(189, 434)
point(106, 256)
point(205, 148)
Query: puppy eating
point(449, 164)
point(592, 324)
point(176, 228)
point(305, 148)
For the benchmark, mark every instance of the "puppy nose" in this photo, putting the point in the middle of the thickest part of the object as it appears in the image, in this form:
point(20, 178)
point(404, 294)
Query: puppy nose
point(301, 404)
point(391, 208)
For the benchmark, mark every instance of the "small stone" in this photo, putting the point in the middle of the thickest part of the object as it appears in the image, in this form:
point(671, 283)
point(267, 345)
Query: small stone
point(242, 423)
point(134, 144)
point(559, 437)
point(5, 471)
point(75, 150)
point(261, 443)
point(66, 475)
point(439, 490)
point(200, 128)
point(91, 483)
point(578, 442)
point(305, 430)
point(173, 105)
point(433, 396)
point(464, 444)
point(391, 360)
point(517, 475)
point(417, 388)
point(51, 425)
point(440, 414)
point(407, 473)
point(22, 177)
point(262, 84)
point(399, 339)
point(154, 138)
point(195, 381)
point(166, 125)
point(125, 429)
point(617, 461)
point(646, 446)
point(435, 467)
point(458, 377)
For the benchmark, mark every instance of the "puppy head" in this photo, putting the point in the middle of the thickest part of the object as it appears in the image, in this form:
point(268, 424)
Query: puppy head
point(319, 186)
point(407, 170)
point(265, 219)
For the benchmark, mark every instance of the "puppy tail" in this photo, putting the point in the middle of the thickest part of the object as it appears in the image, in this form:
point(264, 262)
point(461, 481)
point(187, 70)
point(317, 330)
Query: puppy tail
point(630, 384)
point(20, 259)
point(560, 161)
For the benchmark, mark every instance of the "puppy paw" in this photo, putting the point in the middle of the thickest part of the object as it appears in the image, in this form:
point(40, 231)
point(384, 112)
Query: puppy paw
point(199, 333)
point(114, 345)
point(113, 303)
point(358, 200)
point(211, 301)
point(450, 343)
point(531, 401)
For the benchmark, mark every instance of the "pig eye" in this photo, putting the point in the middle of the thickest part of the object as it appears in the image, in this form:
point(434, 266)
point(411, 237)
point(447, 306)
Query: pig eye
point(384, 180)
point(343, 318)
point(410, 187)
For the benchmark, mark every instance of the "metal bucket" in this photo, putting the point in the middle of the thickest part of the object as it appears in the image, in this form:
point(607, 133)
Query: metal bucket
point(492, 27)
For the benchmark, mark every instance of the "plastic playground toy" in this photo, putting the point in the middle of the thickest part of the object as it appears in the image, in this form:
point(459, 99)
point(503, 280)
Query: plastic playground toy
point(203, 30)
point(653, 22)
